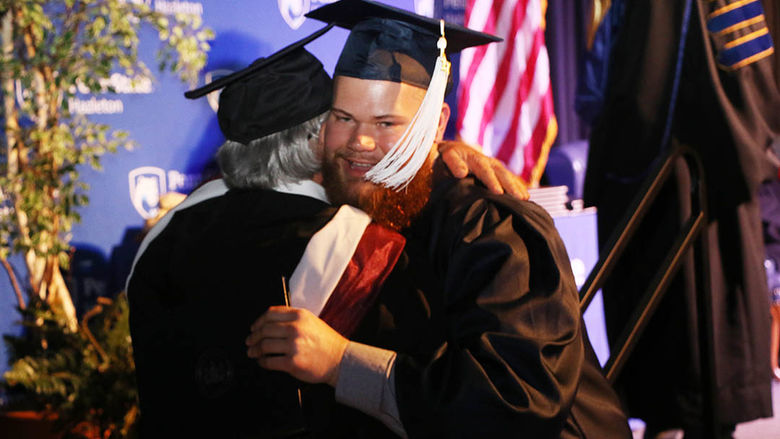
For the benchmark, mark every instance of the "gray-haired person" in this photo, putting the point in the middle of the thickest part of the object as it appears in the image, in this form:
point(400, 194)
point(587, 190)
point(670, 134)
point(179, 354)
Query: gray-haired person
point(208, 268)
point(281, 158)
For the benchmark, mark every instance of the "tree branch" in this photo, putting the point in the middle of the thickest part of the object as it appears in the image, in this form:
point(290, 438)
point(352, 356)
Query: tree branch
point(11, 118)
point(14, 282)
point(97, 309)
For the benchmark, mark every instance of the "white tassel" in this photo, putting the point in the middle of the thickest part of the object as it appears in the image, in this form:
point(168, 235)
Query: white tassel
point(399, 166)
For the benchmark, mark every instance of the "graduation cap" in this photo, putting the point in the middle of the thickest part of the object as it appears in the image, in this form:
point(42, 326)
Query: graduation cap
point(378, 31)
point(272, 94)
point(391, 44)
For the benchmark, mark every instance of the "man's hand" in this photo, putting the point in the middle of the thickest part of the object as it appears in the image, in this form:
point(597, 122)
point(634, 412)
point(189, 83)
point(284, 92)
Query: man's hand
point(296, 341)
point(462, 158)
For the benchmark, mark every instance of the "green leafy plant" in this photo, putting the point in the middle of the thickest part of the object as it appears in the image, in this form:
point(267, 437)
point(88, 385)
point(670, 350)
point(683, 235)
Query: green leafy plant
point(86, 377)
point(49, 51)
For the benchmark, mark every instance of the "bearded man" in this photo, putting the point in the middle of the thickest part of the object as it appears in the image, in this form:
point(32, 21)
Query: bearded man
point(477, 332)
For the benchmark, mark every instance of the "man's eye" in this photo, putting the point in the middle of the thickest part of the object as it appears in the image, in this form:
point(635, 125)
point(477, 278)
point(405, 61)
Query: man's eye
point(386, 124)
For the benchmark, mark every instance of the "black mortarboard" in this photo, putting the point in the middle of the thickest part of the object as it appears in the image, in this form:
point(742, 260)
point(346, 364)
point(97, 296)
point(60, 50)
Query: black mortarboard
point(392, 44)
point(272, 94)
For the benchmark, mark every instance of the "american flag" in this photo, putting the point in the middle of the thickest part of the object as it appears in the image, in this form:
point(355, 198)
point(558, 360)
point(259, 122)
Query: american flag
point(505, 98)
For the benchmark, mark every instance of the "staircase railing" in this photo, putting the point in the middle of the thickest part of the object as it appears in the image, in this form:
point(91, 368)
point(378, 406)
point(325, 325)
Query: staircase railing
point(691, 237)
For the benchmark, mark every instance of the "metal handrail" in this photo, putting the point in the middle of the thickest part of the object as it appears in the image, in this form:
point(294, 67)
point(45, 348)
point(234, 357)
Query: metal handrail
point(692, 236)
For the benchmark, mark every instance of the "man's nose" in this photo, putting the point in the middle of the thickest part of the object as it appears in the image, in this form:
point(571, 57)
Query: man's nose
point(362, 141)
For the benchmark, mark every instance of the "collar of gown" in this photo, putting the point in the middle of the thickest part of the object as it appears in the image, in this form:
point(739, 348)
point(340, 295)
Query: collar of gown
point(307, 188)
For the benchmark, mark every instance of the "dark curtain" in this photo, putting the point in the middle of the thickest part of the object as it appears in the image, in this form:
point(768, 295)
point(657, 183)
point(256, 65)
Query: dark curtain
point(565, 35)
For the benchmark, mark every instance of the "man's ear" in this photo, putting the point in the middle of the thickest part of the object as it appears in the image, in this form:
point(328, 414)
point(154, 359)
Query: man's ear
point(321, 138)
point(319, 149)
point(443, 119)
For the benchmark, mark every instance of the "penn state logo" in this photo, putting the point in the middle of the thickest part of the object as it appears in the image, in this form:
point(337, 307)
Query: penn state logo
point(293, 11)
point(147, 184)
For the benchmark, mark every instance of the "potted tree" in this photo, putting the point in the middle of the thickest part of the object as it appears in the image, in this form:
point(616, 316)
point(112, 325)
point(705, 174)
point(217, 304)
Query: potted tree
point(48, 50)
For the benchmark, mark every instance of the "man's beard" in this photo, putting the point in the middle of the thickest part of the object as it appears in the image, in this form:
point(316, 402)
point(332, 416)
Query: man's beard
point(390, 208)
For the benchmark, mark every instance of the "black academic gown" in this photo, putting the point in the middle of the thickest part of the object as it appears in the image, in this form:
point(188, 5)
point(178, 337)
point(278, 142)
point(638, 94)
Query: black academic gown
point(729, 118)
point(484, 315)
point(193, 295)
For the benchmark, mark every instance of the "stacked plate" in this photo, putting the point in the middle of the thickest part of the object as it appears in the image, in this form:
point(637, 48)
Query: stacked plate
point(555, 200)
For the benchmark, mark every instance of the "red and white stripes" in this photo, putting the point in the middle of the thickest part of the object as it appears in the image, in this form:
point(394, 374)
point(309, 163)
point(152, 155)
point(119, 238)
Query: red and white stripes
point(505, 98)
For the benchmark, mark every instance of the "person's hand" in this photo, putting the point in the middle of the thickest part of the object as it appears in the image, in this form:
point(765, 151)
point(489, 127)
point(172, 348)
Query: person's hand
point(462, 158)
point(295, 341)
